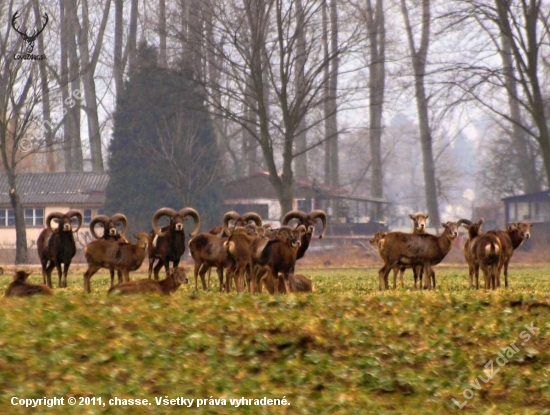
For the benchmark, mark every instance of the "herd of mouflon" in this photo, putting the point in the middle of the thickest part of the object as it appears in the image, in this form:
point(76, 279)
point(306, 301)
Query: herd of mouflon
point(252, 255)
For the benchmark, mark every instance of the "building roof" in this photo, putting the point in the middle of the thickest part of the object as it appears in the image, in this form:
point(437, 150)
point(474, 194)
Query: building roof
point(530, 197)
point(85, 188)
point(258, 186)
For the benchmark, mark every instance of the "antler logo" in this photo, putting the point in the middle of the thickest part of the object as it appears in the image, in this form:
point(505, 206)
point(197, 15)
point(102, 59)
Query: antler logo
point(28, 38)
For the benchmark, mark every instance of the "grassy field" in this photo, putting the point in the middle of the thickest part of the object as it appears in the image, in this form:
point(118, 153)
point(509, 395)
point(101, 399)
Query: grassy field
point(347, 348)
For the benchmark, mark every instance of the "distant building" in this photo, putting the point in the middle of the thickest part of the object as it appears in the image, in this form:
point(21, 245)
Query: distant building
point(348, 215)
point(44, 193)
point(532, 207)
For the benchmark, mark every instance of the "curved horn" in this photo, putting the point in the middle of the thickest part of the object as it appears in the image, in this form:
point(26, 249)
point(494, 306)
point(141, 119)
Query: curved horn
point(294, 214)
point(227, 217)
point(119, 217)
point(252, 216)
point(466, 221)
point(51, 216)
point(98, 219)
point(72, 214)
point(301, 228)
point(195, 215)
point(158, 214)
point(320, 214)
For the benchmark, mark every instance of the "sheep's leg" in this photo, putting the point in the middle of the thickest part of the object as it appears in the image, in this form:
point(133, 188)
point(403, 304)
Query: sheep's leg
point(167, 266)
point(383, 276)
point(158, 267)
point(44, 263)
point(59, 274)
point(49, 270)
point(427, 273)
point(506, 273)
point(275, 276)
point(112, 272)
point(92, 269)
point(151, 263)
point(65, 273)
point(395, 272)
point(286, 279)
point(196, 273)
point(119, 273)
point(433, 279)
point(476, 273)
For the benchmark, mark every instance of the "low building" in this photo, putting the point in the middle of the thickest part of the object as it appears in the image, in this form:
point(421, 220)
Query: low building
point(532, 207)
point(44, 193)
point(348, 215)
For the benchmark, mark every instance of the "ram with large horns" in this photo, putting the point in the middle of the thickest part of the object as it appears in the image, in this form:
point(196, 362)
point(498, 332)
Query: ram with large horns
point(111, 232)
point(308, 220)
point(57, 246)
point(167, 244)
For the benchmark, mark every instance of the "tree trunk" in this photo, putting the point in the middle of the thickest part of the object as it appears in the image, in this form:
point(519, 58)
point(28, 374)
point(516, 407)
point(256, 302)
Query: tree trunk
point(377, 76)
point(326, 93)
point(131, 44)
point(419, 59)
point(525, 165)
point(77, 163)
point(88, 65)
point(162, 34)
point(333, 93)
point(118, 68)
point(46, 113)
point(300, 161)
point(20, 229)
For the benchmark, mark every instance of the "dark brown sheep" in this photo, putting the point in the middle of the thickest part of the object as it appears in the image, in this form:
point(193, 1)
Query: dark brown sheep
point(21, 288)
point(57, 246)
point(167, 244)
point(298, 284)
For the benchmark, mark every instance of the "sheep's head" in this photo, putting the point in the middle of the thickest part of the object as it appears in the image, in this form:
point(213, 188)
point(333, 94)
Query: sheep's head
point(377, 238)
point(419, 219)
point(142, 239)
point(110, 225)
point(522, 228)
point(180, 277)
point(451, 230)
point(474, 228)
point(307, 219)
point(239, 221)
point(177, 219)
point(21, 275)
point(64, 220)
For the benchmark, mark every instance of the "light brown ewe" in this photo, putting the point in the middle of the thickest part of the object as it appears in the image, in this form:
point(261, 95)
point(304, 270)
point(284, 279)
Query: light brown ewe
point(21, 288)
point(167, 286)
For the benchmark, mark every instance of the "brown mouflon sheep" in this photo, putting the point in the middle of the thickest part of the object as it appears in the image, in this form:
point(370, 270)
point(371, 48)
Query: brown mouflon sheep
point(298, 284)
point(21, 288)
point(510, 240)
point(167, 286)
point(167, 244)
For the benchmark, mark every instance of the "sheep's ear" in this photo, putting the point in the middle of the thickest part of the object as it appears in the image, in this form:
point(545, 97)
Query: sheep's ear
point(427, 215)
point(466, 226)
point(530, 224)
point(411, 216)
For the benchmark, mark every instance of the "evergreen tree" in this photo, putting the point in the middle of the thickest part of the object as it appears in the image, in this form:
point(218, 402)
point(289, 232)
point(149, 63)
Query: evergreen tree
point(163, 151)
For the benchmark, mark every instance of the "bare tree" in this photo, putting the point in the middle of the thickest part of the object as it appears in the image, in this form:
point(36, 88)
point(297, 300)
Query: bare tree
point(518, 31)
point(419, 58)
point(260, 54)
point(189, 161)
point(20, 97)
point(88, 66)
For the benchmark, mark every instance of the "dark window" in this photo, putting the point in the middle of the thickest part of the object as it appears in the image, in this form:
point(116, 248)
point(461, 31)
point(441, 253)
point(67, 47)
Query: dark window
point(86, 216)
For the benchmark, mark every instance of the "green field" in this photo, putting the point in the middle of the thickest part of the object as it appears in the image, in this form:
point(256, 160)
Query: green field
point(347, 348)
